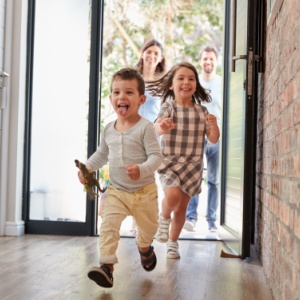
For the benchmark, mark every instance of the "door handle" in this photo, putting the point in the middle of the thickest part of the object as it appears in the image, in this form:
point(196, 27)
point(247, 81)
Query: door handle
point(233, 39)
point(237, 57)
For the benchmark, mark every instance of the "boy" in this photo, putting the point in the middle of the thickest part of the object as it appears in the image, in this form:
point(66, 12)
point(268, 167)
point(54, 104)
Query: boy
point(130, 146)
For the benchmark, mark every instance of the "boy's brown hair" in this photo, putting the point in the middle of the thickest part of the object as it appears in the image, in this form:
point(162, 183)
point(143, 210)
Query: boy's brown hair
point(130, 74)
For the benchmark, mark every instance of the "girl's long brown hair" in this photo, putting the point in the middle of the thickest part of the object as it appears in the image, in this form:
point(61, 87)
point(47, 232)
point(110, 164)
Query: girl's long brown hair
point(161, 86)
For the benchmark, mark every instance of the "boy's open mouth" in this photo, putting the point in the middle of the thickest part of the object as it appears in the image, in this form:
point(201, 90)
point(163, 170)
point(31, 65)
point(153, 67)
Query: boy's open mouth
point(122, 109)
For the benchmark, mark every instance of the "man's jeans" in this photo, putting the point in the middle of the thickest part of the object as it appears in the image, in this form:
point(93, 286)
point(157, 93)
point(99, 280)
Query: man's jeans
point(212, 156)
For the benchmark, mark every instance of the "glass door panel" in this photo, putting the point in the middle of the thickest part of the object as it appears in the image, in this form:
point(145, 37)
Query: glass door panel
point(60, 104)
point(125, 29)
point(238, 168)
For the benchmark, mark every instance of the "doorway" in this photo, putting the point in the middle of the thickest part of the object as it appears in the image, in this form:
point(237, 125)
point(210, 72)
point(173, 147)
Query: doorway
point(69, 69)
point(186, 30)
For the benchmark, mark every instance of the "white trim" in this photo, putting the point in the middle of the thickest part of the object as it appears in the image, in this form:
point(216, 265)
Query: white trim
point(12, 141)
point(273, 7)
point(15, 228)
point(5, 118)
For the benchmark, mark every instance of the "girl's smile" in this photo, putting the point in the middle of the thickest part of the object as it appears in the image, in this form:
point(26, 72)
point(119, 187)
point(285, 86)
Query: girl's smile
point(183, 85)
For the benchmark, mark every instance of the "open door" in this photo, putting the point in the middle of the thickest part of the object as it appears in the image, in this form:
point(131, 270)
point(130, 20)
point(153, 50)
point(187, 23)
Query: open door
point(62, 114)
point(241, 50)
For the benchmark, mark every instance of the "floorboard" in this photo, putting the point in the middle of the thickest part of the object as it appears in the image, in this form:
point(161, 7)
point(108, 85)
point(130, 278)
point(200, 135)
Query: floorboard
point(54, 267)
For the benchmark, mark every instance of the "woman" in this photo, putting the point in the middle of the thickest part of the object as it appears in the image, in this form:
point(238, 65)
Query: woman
point(151, 65)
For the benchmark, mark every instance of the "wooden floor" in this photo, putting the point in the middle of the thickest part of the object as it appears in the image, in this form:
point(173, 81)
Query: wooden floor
point(38, 267)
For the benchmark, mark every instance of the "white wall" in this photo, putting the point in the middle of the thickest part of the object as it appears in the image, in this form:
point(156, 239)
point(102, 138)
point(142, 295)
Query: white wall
point(12, 138)
point(2, 27)
point(2, 22)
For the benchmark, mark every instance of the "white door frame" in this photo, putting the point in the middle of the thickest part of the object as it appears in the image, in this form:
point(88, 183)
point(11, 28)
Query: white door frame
point(13, 119)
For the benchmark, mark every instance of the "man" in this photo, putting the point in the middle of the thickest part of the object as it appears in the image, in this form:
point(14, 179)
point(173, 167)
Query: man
point(210, 80)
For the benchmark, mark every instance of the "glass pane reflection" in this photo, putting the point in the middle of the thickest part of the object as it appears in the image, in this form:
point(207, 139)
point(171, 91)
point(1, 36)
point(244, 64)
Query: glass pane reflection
point(59, 109)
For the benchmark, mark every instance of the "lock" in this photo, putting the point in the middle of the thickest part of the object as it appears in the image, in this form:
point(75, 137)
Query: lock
point(3, 75)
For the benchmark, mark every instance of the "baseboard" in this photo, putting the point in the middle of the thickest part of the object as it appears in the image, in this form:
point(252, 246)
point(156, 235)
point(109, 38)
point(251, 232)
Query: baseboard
point(15, 228)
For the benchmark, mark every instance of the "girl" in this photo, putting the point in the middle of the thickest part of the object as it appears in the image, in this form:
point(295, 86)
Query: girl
point(182, 123)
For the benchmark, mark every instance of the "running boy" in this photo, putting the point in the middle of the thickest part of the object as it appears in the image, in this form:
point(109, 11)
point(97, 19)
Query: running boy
point(130, 146)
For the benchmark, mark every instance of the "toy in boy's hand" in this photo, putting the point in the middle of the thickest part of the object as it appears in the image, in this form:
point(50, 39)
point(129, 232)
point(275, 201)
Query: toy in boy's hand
point(91, 180)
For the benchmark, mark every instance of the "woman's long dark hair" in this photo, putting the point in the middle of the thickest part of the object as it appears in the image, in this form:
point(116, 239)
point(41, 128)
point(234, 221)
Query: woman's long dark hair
point(161, 67)
point(161, 86)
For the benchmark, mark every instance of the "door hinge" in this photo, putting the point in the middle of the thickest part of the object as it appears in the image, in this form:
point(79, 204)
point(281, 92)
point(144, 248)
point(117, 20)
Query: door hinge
point(250, 72)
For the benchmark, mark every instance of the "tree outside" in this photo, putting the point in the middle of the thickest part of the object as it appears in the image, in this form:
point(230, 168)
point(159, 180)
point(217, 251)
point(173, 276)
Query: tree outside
point(184, 27)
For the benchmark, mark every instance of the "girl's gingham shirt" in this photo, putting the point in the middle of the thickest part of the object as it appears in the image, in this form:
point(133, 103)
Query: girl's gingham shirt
point(183, 147)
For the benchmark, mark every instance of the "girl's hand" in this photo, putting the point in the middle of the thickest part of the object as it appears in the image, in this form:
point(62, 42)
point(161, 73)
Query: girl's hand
point(164, 125)
point(213, 133)
point(133, 171)
point(211, 120)
point(167, 124)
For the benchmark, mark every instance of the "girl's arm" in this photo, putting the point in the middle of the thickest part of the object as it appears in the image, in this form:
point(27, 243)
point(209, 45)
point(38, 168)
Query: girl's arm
point(163, 125)
point(213, 132)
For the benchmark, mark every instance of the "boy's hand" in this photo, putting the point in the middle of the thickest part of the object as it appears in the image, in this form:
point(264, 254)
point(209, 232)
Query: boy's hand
point(87, 177)
point(133, 171)
point(81, 177)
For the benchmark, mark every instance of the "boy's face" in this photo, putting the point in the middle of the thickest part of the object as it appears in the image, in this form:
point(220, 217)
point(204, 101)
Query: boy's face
point(125, 97)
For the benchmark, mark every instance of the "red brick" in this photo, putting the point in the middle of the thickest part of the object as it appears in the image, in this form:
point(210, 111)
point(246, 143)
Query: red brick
point(297, 224)
point(296, 172)
point(296, 112)
point(297, 86)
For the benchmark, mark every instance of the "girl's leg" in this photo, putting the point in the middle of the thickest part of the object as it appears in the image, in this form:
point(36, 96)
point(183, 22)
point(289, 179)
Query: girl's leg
point(179, 213)
point(175, 201)
point(170, 201)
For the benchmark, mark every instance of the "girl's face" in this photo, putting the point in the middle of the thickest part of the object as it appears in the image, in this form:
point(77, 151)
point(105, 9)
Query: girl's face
point(152, 56)
point(184, 84)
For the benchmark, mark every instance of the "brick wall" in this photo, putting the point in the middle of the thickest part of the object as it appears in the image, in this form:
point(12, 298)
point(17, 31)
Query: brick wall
point(278, 155)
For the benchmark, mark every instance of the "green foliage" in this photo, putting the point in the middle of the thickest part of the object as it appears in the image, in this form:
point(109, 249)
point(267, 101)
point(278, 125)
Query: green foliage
point(182, 26)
